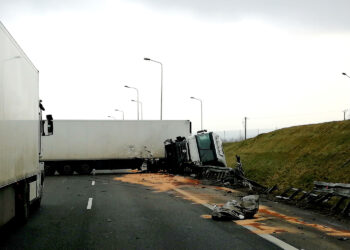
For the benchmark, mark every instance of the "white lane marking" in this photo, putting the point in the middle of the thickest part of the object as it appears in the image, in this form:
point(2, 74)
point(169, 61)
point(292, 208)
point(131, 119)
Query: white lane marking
point(267, 237)
point(193, 198)
point(93, 183)
point(272, 239)
point(89, 205)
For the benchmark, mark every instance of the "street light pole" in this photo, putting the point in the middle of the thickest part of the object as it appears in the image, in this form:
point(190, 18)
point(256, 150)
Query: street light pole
point(349, 77)
point(345, 74)
point(138, 115)
point(161, 85)
point(201, 110)
point(139, 102)
point(120, 111)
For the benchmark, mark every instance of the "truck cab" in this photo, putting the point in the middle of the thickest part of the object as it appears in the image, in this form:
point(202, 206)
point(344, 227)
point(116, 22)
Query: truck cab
point(205, 148)
point(202, 149)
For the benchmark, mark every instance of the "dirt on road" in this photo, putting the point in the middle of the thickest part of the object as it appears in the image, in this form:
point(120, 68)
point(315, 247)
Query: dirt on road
point(303, 229)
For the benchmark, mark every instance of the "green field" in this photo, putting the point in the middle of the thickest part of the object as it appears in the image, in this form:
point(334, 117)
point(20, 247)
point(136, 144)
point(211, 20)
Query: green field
point(296, 156)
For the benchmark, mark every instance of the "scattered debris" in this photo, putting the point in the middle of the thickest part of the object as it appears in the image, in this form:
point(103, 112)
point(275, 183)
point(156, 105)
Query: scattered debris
point(230, 176)
point(245, 208)
point(321, 194)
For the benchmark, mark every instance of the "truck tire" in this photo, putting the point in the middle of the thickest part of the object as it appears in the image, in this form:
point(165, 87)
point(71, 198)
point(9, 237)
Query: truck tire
point(84, 169)
point(22, 203)
point(65, 169)
point(49, 170)
point(36, 204)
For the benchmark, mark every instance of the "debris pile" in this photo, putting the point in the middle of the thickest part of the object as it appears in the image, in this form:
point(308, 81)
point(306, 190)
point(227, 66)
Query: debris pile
point(245, 208)
point(231, 176)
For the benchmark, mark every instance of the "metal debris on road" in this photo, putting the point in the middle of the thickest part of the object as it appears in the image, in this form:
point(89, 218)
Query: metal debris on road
point(245, 208)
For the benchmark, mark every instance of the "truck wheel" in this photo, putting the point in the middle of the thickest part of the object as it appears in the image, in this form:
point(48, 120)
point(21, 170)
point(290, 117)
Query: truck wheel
point(65, 170)
point(49, 170)
point(36, 204)
point(84, 169)
point(22, 204)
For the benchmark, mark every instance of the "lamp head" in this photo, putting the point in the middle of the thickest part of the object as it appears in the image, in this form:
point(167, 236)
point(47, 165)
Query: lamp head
point(344, 73)
point(146, 59)
point(126, 86)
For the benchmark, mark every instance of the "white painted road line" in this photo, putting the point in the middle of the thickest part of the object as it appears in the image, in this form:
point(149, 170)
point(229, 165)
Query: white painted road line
point(89, 205)
point(267, 237)
point(272, 239)
point(93, 183)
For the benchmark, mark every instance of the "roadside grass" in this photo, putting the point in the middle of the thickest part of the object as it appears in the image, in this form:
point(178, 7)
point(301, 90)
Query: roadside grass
point(296, 156)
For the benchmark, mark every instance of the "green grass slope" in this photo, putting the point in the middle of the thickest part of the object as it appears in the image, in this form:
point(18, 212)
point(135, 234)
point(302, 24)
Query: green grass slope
point(296, 156)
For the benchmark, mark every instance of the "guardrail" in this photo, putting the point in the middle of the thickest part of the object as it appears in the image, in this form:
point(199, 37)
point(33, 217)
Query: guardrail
point(322, 194)
point(339, 189)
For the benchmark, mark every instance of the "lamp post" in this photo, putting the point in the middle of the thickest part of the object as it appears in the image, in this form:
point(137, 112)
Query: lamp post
point(137, 91)
point(201, 110)
point(349, 77)
point(161, 85)
point(345, 74)
point(120, 111)
point(139, 102)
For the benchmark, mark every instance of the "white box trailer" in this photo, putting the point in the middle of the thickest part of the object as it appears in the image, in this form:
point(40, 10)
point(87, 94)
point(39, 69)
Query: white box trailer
point(20, 174)
point(83, 145)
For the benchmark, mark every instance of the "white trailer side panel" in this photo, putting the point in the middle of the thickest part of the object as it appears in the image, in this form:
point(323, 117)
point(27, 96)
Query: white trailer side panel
point(19, 125)
point(110, 139)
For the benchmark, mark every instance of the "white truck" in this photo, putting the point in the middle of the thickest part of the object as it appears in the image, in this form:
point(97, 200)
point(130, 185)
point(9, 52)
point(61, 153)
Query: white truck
point(21, 175)
point(83, 145)
point(193, 152)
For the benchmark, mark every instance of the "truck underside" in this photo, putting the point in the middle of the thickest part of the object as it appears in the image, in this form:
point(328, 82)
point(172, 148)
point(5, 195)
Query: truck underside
point(86, 166)
point(17, 199)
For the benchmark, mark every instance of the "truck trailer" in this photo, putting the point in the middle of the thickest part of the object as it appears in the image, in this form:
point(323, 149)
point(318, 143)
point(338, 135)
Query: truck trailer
point(84, 145)
point(21, 175)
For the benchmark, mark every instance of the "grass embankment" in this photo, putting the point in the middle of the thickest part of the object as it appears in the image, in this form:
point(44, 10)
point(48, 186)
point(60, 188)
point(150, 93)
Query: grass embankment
point(296, 156)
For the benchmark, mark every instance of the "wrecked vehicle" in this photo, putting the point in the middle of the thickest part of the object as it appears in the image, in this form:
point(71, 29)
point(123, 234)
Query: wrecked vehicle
point(203, 156)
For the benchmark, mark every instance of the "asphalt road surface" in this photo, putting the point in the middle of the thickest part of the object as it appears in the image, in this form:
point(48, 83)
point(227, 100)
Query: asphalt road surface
point(97, 212)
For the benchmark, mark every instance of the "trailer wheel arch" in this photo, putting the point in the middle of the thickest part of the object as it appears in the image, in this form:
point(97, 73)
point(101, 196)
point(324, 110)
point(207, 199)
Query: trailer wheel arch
point(65, 169)
point(84, 168)
point(22, 204)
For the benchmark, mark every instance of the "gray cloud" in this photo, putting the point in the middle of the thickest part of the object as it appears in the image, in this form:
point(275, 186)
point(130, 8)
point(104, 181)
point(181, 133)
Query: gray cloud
point(331, 15)
point(45, 5)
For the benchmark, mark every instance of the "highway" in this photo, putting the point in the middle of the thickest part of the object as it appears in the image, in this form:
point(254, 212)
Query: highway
point(100, 212)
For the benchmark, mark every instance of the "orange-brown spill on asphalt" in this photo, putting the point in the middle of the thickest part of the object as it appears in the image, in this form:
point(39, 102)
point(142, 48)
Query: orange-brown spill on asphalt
point(261, 228)
point(227, 189)
point(266, 213)
point(159, 182)
point(206, 216)
point(164, 182)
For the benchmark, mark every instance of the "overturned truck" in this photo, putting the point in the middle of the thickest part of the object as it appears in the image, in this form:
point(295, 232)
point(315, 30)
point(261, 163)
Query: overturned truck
point(203, 155)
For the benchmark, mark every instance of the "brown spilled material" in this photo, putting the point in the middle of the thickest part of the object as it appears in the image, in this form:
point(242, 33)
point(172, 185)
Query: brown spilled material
point(159, 182)
point(164, 182)
point(206, 216)
point(267, 214)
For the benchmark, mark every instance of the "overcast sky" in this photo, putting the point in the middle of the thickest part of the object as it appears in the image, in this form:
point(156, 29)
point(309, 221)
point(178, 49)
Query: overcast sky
point(277, 62)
